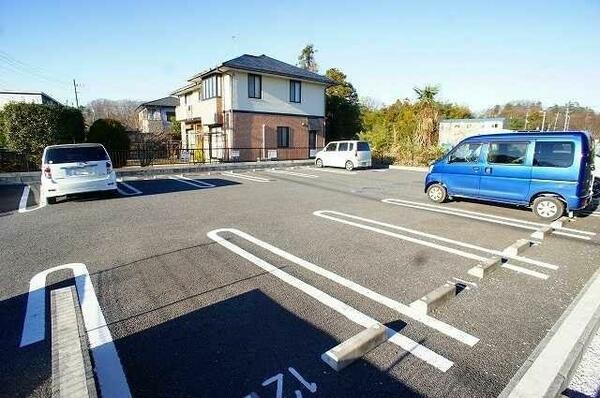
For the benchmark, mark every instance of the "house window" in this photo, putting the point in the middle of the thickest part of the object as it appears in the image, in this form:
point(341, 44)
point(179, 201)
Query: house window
point(283, 137)
point(295, 91)
point(211, 87)
point(254, 86)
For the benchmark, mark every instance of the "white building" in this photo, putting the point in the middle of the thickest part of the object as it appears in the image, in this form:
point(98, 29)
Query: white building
point(32, 97)
point(452, 131)
point(156, 116)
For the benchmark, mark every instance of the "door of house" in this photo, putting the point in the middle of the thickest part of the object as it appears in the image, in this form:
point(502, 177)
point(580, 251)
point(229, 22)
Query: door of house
point(312, 143)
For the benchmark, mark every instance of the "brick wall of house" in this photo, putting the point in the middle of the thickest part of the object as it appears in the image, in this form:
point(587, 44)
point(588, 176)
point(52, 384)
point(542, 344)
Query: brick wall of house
point(248, 133)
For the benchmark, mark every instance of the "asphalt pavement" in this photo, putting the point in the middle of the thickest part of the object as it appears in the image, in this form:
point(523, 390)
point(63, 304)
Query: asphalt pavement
point(228, 285)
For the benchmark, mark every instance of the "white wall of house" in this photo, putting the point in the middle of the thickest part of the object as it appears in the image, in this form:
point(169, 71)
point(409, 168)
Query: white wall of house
point(5, 98)
point(276, 96)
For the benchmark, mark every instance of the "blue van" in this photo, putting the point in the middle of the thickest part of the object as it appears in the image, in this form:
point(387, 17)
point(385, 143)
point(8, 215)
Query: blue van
point(550, 172)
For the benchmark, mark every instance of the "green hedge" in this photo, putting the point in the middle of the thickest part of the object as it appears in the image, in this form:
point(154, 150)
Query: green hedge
point(29, 128)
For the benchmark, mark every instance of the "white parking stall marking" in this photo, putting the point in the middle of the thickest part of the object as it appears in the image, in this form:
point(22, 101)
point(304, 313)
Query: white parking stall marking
point(446, 240)
point(245, 177)
point(134, 190)
point(192, 182)
point(332, 171)
point(25, 196)
point(347, 311)
point(403, 309)
point(513, 222)
point(292, 173)
point(322, 213)
point(107, 364)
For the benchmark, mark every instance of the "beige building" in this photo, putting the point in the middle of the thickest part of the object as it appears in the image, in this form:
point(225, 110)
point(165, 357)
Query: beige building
point(156, 116)
point(452, 131)
point(253, 107)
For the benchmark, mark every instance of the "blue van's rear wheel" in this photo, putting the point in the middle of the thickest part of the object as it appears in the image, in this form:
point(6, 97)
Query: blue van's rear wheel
point(548, 208)
point(437, 193)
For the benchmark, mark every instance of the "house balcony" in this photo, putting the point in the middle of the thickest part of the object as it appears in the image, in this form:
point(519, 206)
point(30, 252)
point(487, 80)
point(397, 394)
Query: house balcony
point(209, 111)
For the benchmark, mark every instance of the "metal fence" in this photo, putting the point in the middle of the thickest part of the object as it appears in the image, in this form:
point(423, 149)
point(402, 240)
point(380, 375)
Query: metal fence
point(14, 161)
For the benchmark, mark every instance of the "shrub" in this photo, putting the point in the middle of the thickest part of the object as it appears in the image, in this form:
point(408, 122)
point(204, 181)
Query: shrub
point(113, 135)
point(29, 128)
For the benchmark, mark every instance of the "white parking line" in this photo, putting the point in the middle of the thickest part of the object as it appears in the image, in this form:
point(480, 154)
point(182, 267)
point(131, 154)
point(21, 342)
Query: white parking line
point(332, 171)
point(246, 177)
point(292, 173)
point(347, 311)
point(107, 364)
point(513, 222)
point(321, 213)
point(192, 182)
point(446, 240)
point(134, 190)
point(25, 196)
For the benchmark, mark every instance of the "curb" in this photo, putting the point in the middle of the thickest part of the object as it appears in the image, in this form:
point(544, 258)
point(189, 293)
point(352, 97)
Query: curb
point(435, 298)
point(408, 168)
point(150, 171)
point(355, 347)
point(484, 269)
point(516, 248)
point(542, 233)
point(548, 370)
point(72, 375)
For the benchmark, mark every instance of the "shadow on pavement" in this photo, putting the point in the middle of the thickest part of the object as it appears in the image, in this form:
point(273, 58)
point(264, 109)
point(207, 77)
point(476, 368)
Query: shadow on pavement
point(242, 346)
point(25, 371)
point(10, 197)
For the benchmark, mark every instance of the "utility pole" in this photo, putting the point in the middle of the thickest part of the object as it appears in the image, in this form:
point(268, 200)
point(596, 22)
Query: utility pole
point(526, 119)
point(76, 99)
point(543, 120)
point(555, 121)
point(566, 125)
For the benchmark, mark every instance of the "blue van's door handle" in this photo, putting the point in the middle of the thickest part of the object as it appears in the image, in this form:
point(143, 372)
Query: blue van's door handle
point(488, 170)
point(475, 168)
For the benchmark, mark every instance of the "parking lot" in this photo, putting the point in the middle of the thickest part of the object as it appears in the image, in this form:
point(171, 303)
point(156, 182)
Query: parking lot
point(236, 283)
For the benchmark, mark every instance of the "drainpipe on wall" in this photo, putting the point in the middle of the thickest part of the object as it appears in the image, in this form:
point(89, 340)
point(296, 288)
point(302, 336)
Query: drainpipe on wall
point(264, 126)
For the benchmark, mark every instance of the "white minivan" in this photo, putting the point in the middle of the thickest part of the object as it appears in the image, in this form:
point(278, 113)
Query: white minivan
point(348, 154)
point(76, 168)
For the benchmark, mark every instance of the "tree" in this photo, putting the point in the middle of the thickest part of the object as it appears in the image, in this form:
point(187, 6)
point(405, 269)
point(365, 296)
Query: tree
point(175, 128)
point(428, 115)
point(2, 135)
point(306, 59)
point(123, 111)
point(29, 128)
point(110, 133)
point(342, 107)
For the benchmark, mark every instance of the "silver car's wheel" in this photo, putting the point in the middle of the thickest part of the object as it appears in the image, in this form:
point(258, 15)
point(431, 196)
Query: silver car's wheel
point(548, 208)
point(437, 193)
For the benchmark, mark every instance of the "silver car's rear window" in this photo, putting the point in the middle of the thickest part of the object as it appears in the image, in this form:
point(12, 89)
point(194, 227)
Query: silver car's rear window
point(76, 154)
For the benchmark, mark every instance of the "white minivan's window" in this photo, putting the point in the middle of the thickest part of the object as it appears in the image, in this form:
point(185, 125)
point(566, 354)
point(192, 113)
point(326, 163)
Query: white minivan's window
point(362, 146)
point(343, 146)
point(507, 152)
point(75, 154)
point(554, 154)
point(331, 147)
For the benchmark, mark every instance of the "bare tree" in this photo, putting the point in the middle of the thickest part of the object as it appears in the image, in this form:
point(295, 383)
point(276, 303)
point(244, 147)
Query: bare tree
point(122, 110)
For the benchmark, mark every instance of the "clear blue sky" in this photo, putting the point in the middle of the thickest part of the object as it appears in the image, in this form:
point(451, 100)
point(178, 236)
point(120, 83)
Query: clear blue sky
point(480, 54)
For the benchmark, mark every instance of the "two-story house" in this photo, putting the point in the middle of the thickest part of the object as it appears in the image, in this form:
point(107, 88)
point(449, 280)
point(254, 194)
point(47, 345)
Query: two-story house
point(156, 116)
point(253, 107)
point(33, 97)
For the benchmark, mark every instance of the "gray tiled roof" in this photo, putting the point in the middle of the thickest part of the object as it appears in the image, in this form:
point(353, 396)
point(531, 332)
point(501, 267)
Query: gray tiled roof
point(166, 102)
point(264, 64)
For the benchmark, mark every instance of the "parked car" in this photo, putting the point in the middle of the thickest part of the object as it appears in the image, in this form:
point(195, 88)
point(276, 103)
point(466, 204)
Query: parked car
point(348, 154)
point(550, 172)
point(76, 168)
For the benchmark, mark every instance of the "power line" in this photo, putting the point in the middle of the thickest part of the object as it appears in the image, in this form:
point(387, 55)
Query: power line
point(28, 68)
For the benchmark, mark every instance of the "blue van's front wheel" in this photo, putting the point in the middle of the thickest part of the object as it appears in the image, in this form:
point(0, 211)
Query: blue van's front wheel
point(548, 208)
point(437, 193)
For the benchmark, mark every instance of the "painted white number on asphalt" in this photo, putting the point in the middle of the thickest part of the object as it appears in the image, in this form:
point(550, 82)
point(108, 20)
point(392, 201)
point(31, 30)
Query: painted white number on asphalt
point(278, 378)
